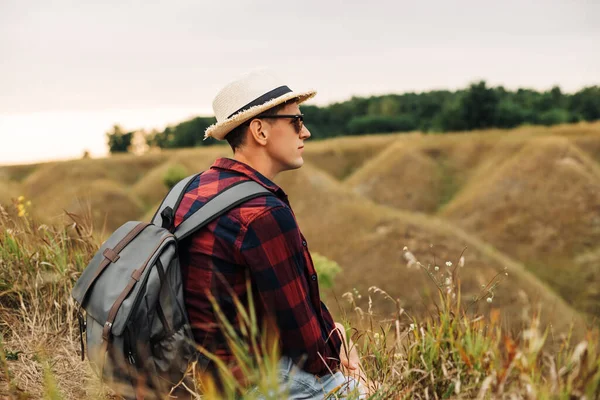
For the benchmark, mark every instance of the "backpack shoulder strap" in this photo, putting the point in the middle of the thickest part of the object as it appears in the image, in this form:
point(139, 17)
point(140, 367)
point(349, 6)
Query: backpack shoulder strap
point(165, 215)
point(226, 200)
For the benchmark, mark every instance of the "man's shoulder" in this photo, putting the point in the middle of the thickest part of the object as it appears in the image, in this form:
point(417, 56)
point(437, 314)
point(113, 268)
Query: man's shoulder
point(212, 182)
point(253, 209)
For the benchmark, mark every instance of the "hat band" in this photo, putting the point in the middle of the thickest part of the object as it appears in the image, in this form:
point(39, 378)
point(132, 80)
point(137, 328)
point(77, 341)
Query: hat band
point(273, 94)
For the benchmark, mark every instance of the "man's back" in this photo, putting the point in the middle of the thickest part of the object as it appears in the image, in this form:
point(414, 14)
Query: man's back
point(259, 240)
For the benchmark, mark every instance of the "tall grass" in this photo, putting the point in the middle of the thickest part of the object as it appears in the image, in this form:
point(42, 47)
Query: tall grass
point(459, 351)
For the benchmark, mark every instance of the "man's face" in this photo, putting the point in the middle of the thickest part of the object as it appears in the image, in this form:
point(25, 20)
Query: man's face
point(286, 144)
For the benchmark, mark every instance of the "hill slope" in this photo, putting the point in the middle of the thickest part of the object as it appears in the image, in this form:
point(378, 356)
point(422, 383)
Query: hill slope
point(460, 177)
point(542, 206)
point(367, 240)
point(403, 177)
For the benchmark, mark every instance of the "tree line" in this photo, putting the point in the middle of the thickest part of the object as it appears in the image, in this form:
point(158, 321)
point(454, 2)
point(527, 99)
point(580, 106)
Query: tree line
point(476, 107)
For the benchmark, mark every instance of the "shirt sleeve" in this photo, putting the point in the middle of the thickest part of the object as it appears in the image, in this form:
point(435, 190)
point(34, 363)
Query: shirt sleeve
point(272, 248)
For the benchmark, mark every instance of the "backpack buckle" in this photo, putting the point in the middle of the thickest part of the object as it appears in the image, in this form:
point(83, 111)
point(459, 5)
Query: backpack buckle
point(168, 218)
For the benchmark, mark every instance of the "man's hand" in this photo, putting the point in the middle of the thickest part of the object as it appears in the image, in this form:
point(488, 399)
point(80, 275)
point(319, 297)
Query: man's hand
point(349, 358)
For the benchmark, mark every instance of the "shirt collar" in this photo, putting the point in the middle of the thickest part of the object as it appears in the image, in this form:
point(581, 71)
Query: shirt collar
point(229, 164)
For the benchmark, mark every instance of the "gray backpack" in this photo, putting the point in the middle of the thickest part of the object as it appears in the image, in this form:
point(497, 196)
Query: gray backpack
point(137, 331)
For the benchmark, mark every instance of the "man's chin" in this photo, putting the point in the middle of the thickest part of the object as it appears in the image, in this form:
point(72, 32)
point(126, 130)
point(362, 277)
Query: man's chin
point(296, 164)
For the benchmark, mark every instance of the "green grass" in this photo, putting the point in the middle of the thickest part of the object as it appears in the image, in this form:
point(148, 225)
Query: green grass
point(461, 350)
point(449, 184)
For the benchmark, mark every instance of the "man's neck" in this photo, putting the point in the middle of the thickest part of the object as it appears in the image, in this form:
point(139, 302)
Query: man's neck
point(265, 167)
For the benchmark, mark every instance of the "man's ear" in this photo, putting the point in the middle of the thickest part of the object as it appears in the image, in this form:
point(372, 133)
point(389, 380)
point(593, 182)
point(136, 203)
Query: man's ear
point(258, 131)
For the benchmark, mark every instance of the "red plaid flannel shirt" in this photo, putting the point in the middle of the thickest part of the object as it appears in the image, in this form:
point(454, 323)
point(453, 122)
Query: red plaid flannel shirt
point(259, 239)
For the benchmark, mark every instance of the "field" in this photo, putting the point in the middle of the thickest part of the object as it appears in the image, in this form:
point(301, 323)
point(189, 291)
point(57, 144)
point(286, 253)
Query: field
point(522, 207)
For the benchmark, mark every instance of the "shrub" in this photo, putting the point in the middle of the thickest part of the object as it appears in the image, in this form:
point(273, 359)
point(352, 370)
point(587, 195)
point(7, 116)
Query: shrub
point(118, 141)
point(327, 270)
point(173, 175)
point(554, 116)
point(381, 124)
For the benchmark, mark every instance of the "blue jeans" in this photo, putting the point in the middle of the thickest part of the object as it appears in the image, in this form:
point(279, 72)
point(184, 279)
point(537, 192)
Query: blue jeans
point(298, 384)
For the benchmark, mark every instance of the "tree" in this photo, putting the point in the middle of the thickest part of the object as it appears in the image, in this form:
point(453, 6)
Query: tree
point(381, 124)
point(118, 141)
point(451, 117)
point(478, 106)
point(509, 114)
point(554, 116)
point(586, 103)
point(185, 134)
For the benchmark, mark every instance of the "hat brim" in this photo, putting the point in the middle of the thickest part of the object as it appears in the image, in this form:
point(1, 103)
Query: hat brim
point(220, 129)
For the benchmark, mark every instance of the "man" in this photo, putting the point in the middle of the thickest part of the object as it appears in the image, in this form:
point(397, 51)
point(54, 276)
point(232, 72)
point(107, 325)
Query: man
point(260, 118)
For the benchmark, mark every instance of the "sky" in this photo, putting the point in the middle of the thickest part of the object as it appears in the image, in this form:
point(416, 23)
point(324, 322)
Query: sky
point(69, 70)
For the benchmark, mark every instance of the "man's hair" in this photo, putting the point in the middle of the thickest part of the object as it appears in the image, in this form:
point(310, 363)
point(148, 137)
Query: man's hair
point(237, 137)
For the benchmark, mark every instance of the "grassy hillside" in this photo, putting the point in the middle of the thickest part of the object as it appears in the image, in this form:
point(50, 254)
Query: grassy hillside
point(340, 157)
point(542, 205)
point(413, 179)
point(523, 203)
point(406, 356)
point(367, 240)
point(530, 193)
point(458, 158)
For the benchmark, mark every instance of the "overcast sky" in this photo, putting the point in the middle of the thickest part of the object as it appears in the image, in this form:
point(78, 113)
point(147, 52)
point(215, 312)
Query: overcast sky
point(69, 69)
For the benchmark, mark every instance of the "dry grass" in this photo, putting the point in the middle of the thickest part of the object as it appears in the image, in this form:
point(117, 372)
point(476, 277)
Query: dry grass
point(423, 173)
point(540, 206)
point(151, 189)
point(367, 240)
point(546, 220)
point(124, 169)
point(17, 172)
point(450, 353)
point(9, 190)
point(47, 362)
point(589, 144)
point(40, 352)
point(403, 177)
point(121, 181)
point(108, 202)
point(340, 157)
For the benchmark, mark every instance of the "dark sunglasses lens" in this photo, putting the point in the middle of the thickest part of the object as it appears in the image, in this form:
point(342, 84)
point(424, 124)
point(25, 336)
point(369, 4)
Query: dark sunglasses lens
point(298, 124)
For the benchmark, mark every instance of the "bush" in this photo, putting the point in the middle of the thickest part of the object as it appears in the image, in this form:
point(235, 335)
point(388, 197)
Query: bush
point(381, 124)
point(173, 175)
point(327, 270)
point(478, 106)
point(118, 141)
point(509, 114)
point(554, 116)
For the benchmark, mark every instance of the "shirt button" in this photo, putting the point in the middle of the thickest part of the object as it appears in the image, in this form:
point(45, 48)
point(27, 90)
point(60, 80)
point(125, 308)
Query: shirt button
point(304, 243)
point(313, 277)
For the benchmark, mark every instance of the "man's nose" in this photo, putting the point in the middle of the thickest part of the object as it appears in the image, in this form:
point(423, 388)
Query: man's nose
point(304, 133)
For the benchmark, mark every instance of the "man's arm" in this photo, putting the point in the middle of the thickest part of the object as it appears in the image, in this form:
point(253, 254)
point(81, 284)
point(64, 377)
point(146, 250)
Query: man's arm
point(272, 248)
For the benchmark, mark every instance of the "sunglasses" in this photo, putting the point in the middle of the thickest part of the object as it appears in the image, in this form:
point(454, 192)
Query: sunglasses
point(297, 119)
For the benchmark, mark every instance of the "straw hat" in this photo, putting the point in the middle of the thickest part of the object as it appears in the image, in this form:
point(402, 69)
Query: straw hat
point(248, 97)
